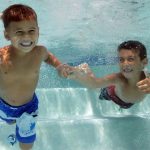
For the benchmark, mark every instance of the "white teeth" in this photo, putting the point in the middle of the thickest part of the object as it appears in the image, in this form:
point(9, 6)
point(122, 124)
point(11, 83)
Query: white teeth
point(127, 70)
point(26, 43)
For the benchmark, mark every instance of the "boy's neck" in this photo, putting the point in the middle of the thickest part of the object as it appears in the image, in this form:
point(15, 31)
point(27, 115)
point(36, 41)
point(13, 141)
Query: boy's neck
point(17, 52)
point(136, 79)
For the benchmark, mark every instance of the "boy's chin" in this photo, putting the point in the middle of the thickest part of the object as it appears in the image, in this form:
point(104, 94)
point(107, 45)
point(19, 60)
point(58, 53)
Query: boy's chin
point(127, 75)
point(26, 49)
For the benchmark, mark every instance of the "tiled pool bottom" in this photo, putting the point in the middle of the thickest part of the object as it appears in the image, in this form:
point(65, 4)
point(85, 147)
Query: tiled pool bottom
point(74, 119)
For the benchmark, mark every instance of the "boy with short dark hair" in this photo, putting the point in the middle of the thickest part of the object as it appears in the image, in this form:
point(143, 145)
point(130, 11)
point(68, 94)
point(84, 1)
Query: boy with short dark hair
point(127, 86)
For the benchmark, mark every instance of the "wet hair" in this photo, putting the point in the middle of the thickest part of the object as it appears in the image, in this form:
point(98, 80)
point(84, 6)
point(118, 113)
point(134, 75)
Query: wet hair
point(18, 12)
point(135, 46)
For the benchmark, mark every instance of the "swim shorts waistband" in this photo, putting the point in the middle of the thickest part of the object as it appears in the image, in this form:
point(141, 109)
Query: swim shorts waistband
point(16, 111)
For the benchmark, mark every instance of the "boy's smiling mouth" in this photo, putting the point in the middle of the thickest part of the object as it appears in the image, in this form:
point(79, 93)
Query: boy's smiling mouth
point(127, 70)
point(26, 43)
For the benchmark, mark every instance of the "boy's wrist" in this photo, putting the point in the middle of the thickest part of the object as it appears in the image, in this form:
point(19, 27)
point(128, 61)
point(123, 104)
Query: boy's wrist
point(60, 65)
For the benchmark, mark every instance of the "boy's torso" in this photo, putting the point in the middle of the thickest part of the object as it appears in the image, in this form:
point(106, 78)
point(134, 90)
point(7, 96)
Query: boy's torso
point(18, 81)
point(128, 93)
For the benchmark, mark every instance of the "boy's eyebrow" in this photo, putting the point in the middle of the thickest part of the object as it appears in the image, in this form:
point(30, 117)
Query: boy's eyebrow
point(127, 57)
point(18, 29)
point(21, 28)
point(33, 28)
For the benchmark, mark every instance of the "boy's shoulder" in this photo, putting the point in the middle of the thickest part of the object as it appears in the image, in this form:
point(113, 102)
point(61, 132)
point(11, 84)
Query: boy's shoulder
point(121, 80)
point(40, 49)
point(114, 75)
point(4, 48)
point(116, 78)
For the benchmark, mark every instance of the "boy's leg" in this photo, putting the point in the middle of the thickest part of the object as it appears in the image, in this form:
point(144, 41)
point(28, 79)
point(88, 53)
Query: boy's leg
point(12, 122)
point(25, 146)
point(25, 131)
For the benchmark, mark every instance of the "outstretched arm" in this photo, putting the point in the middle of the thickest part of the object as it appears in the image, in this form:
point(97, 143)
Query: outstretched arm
point(63, 69)
point(52, 60)
point(85, 76)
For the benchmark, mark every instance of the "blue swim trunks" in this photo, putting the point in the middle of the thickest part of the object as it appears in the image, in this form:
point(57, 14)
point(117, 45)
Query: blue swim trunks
point(24, 116)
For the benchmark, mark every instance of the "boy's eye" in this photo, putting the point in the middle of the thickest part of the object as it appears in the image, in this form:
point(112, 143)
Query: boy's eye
point(19, 32)
point(31, 31)
point(130, 59)
point(120, 60)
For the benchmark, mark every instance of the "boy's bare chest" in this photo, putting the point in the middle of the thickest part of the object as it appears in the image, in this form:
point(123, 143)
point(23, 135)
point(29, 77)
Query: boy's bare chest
point(131, 94)
point(20, 70)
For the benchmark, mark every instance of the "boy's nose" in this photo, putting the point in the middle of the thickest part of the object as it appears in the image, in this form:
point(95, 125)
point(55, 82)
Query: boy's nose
point(25, 35)
point(126, 62)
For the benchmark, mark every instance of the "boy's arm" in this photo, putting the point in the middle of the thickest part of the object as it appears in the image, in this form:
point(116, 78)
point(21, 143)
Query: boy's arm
point(52, 60)
point(63, 69)
point(95, 82)
point(86, 77)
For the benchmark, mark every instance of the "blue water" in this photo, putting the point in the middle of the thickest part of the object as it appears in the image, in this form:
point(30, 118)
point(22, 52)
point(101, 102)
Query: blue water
point(71, 116)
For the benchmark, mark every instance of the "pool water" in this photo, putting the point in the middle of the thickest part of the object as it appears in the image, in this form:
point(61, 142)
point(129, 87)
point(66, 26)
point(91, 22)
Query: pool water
point(72, 117)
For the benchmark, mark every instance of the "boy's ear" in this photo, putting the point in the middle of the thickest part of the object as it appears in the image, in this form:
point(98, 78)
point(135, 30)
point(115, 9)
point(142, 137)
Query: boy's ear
point(6, 35)
point(145, 61)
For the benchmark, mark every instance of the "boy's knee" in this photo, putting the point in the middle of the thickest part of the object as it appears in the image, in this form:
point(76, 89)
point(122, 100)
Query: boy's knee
point(25, 146)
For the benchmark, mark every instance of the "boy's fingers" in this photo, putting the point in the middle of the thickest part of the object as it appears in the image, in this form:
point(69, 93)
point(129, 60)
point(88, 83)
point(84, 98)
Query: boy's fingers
point(141, 82)
point(145, 81)
point(147, 90)
point(144, 85)
point(65, 70)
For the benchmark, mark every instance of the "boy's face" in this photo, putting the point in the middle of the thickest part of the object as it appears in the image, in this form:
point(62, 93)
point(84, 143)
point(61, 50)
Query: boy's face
point(130, 63)
point(23, 35)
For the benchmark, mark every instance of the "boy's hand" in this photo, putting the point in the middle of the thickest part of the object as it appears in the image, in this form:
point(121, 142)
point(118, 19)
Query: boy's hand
point(81, 72)
point(144, 85)
point(64, 70)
